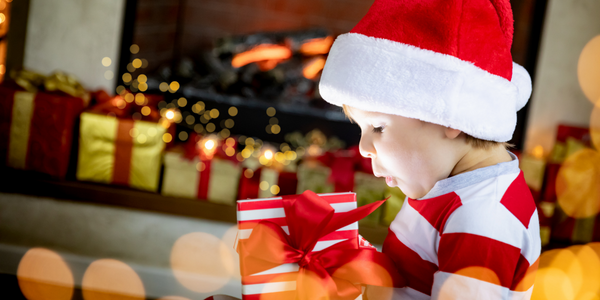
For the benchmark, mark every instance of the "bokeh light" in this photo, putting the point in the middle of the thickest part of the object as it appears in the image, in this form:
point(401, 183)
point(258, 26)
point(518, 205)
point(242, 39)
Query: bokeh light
point(229, 238)
point(42, 274)
point(578, 184)
point(201, 262)
point(137, 63)
point(271, 111)
point(134, 49)
point(106, 61)
point(233, 111)
point(588, 69)
point(595, 126)
point(451, 288)
point(111, 279)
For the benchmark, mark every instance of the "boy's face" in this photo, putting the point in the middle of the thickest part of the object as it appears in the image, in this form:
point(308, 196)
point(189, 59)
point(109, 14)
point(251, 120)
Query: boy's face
point(411, 154)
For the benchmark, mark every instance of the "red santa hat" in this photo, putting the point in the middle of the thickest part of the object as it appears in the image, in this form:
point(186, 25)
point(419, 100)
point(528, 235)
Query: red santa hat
point(441, 61)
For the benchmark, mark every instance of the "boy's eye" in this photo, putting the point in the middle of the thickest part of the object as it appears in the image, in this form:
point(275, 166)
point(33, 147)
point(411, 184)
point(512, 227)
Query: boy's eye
point(377, 129)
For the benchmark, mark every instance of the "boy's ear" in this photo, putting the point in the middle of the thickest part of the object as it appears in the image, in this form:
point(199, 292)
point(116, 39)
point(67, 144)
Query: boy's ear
point(451, 133)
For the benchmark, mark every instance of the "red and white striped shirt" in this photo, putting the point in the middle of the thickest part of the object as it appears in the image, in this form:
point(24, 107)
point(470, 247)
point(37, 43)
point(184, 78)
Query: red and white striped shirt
point(473, 236)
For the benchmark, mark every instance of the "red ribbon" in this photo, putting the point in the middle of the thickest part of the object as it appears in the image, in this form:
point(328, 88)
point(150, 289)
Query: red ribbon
point(343, 164)
point(338, 270)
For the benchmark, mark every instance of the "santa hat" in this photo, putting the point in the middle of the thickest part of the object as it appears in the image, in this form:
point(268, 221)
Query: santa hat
point(441, 61)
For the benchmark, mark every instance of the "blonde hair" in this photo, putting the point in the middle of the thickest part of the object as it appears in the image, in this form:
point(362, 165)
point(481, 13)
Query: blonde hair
point(476, 143)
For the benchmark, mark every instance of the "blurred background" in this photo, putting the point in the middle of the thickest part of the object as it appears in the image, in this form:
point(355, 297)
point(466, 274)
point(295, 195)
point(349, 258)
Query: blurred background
point(129, 128)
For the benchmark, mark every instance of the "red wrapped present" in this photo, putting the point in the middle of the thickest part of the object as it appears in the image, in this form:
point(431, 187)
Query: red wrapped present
point(307, 247)
point(36, 129)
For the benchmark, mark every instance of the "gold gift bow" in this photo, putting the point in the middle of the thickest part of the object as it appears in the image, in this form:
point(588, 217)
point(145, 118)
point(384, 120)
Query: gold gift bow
point(32, 82)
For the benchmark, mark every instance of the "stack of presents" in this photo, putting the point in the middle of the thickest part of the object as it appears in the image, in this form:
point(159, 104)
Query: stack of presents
point(51, 125)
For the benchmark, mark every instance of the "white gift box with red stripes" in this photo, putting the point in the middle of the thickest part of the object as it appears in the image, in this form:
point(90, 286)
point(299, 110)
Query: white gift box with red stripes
point(280, 282)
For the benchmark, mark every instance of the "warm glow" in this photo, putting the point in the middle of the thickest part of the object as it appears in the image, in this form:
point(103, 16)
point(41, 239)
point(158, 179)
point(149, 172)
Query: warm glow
point(127, 77)
point(577, 188)
point(230, 142)
point(248, 173)
point(134, 49)
point(260, 53)
point(137, 63)
point(274, 189)
point(2, 18)
point(167, 138)
point(588, 69)
point(108, 75)
point(201, 262)
point(224, 133)
point(142, 78)
point(210, 127)
point(129, 97)
point(229, 123)
point(190, 119)
point(275, 129)
point(111, 279)
point(121, 104)
point(146, 110)
point(264, 185)
point(140, 99)
point(210, 144)
point(183, 136)
point(313, 67)
point(42, 274)
point(106, 61)
point(246, 153)
point(230, 152)
point(182, 102)
point(214, 113)
point(595, 126)
point(233, 111)
point(174, 86)
point(538, 152)
point(163, 87)
point(317, 46)
point(170, 114)
point(268, 154)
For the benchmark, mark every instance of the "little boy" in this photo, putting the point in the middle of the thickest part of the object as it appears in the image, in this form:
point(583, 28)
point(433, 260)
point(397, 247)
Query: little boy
point(432, 85)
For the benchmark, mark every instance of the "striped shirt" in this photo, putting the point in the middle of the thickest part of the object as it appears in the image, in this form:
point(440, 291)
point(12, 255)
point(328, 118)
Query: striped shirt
point(473, 236)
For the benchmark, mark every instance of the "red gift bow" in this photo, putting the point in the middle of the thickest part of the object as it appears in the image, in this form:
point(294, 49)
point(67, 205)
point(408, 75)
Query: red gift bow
point(343, 164)
point(338, 269)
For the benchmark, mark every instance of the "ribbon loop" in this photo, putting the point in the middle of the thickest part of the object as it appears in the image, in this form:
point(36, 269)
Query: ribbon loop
point(339, 270)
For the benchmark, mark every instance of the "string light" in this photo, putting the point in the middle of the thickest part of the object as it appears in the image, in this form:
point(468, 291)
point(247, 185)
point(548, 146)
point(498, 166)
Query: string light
point(120, 90)
point(198, 128)
point(143, 86)
point(170, 114)
point(183, 136)
point(210, 127)
point(134, 49)
point(106, 61)
point(130, 68)
point(146, 110)
point(275, 129)
point(214, 113)
point(127, 77)
point(190, 120)
point(142, 78)
point(142, 138)
point(274, 189)
point(248, 173)
point(230, 142)
point(209, 144)
point(233, 111)
point(137, 63)
point(167, 138)
point(264, 185)
point(140, 99)
point(182, 102)
point(163, 87)
point(174, 86)
point(129, 97)
point(271, 111)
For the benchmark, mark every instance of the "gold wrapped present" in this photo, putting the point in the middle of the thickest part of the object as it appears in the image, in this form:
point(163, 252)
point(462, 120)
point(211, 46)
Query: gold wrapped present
point(120, 151)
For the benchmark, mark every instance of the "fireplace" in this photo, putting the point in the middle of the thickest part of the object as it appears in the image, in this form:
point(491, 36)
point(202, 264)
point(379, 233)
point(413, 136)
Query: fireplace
point(259, 55)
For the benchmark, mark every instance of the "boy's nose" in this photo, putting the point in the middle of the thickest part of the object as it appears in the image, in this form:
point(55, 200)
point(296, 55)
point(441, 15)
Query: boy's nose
point(365, 147)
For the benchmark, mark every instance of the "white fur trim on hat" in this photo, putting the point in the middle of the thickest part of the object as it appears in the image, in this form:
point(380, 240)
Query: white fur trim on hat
point(384, 76)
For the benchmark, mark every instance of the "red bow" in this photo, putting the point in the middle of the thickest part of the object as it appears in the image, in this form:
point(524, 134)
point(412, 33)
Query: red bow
point(338, 270)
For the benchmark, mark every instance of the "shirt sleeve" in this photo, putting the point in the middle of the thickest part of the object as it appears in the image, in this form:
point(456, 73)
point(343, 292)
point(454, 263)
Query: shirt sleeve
point(480, 266)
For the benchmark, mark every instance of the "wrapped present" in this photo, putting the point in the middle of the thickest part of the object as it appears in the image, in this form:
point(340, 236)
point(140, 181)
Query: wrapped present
point(369, 189)
point(266, 182)
point(395, 200)
point(307, 247)
point(36, 126)
point(214, 179)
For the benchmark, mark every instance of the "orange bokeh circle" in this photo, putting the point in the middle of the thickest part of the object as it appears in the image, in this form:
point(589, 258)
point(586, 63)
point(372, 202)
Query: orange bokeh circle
point(111, 279)
point(201, 262)
point(588, 69)
point(578, 184)
point(43, 275)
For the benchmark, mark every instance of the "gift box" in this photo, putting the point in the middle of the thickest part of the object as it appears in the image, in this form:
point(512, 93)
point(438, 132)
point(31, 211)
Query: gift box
point(215, 180)
point(266, 182)
point(120, 151)
point(369, 189)
point(36, 129)
point(284, 241)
